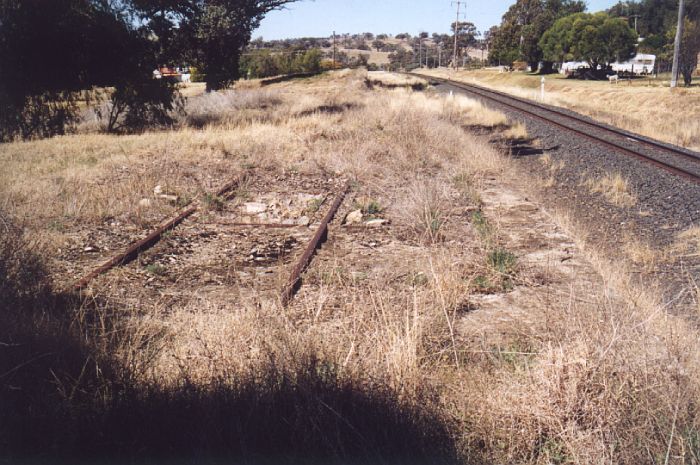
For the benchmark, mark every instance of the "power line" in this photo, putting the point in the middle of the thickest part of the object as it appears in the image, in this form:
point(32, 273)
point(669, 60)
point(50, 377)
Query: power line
point(454, 55)
point(334, 49)
point(677, 44)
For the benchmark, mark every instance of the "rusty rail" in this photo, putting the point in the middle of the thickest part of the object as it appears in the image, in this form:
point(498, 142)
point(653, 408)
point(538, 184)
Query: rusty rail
point(235, 224)
point(133, 250)
point(294, 282)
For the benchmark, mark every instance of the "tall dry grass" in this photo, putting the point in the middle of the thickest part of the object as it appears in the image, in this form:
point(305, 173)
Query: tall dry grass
point(388, 360)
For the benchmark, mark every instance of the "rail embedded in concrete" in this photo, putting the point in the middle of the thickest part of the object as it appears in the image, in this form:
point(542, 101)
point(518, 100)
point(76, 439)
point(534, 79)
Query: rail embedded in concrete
point(294, 282)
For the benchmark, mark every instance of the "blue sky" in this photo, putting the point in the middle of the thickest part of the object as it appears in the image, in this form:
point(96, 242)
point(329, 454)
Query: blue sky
point(319, 18)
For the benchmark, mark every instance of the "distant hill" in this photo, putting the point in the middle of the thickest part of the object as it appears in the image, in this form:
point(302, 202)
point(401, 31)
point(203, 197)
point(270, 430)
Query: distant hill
point(375, 49)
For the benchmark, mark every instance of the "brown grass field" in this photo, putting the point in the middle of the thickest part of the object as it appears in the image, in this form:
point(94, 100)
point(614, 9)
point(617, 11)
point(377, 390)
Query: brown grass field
point(468, 326)
point(644, 106)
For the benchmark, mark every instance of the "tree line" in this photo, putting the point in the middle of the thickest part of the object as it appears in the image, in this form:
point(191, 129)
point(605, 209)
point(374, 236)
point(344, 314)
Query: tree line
point(542, 32)
point(56, 55)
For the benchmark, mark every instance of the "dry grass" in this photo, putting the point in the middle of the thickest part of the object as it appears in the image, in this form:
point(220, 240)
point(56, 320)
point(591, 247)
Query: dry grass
point(642, 253)
point(378, 361)
point(391, 80)
point(614, 188)
point(646, 107)
point(516, 131)
point(688, 242)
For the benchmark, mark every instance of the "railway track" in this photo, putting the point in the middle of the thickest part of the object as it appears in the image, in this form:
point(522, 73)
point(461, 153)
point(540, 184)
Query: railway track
point(678, 161)
point(270, 251)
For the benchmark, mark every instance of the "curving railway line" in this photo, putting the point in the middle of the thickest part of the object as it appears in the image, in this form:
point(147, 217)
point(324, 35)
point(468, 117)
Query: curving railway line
point(678, 161)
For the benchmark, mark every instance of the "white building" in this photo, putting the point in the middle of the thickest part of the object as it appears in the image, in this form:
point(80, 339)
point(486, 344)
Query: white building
point(640, 64)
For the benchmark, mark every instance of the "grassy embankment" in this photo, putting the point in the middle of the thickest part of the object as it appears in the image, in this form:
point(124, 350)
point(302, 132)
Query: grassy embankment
point(405, 370)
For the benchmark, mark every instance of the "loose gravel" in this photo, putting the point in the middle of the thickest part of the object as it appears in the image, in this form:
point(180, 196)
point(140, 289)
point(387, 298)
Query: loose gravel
point(666, 205)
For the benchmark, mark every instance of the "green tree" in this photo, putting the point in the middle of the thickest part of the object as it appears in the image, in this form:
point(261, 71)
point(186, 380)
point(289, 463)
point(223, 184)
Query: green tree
point(595, 38)
point(401, 59)
point(208, 33)
point(522, 27)
point(656, 22)
point(53, 53)
point(690, 47)
point(467, 35)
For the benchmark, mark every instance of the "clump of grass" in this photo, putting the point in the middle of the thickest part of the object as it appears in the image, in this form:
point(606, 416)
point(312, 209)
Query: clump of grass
point(314, 205)
point(465, 183)
point(641, 253)
point(481, 224)
point(499, 275)
point(502, 261)
point(373, 208)
point(516, 131)
point(370, 207)
point(470, 112)
point(426, 210)
point(688, 242)
point(392, 80)
point(614, 188)
point(553, 166)
point(230, 107)
point(214, 202)
point(155, 269)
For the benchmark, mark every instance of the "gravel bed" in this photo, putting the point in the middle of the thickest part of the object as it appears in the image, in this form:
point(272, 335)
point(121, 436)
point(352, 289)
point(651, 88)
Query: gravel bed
point(688, 160)
point(666, 203)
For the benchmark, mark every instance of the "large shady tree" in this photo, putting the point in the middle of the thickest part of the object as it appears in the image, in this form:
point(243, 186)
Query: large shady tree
point(55, 54)
point(522, 26)
point(210, 34)
point(597, 39)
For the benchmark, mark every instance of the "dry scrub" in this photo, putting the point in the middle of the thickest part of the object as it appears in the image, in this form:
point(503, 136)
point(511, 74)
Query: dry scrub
point(392, 80)
point(389, 363)
point(614, 188)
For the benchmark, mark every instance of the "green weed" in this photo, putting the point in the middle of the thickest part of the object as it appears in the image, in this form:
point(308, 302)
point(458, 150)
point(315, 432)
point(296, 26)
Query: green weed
point(213, 202)
point(155, 269)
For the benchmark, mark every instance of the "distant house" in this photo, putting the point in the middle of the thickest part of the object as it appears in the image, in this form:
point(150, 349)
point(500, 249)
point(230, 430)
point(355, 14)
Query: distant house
point(177, 74)
point(641, 64)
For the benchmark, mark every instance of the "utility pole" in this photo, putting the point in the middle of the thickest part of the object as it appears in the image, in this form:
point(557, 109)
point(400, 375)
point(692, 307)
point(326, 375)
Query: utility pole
point(454, 55)
point(677, 44)
point(439, 45)
point(333, 49)
point(420, 52)
point(635, 23)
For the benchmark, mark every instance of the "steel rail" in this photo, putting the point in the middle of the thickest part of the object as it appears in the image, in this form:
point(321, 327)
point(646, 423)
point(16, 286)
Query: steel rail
point(134, 249)
point(613, 130)
point(294, 282)
point(626, 150)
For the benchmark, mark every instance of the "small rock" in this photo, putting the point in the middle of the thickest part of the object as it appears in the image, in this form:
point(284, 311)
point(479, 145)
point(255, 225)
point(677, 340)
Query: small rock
point(376, 223)
point(144, 203)
point(354, 217)
point(158, 190)
point(303, 221)
point(169, 198)
point(89, 249)
point(255, 207)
